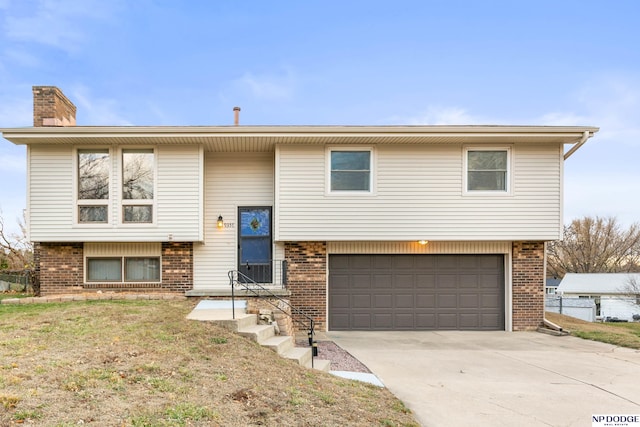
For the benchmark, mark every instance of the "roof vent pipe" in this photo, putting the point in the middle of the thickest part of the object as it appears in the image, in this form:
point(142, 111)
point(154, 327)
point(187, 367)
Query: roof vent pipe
point(236, 116)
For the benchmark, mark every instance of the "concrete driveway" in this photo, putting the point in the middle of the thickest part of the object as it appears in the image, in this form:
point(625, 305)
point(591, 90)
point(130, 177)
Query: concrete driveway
point(500, 378)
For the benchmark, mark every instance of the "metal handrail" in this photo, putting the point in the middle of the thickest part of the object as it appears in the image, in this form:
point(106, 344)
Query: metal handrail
point(257, 289)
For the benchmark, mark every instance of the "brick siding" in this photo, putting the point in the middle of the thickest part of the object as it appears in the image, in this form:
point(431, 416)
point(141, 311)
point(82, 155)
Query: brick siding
point(528, 285)
point(307, 279)
point(177, 266)
point(60, 267)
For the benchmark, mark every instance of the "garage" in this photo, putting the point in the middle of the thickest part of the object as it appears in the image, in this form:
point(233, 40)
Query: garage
point(416, 292)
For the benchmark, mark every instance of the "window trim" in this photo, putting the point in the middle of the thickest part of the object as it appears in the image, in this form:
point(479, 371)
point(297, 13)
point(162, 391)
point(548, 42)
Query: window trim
point(372, 171)
point(465, 171)
point(123, 269)
point(91, 202)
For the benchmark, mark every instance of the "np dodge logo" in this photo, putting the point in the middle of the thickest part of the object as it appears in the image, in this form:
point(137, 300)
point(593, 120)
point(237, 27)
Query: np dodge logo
point(615, 420)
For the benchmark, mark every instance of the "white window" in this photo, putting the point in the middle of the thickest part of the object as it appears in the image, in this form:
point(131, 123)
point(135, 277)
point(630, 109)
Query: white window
point(487, 170)
point(133, 269)
point(350, 170)
point(93, 186)
point(137, 185)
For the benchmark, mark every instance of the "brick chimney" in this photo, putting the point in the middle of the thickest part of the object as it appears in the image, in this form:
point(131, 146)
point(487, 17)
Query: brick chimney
point(52, 108)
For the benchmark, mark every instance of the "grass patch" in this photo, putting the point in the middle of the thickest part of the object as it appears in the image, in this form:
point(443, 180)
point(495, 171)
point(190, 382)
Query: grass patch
point(135, 363)
point(620, 334)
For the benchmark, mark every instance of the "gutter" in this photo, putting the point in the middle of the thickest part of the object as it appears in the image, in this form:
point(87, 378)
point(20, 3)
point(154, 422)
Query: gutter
point(585, 135)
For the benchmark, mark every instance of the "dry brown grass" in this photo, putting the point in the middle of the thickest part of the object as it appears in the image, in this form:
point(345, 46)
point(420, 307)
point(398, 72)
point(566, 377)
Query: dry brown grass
point(621, 334)
point(141, 363)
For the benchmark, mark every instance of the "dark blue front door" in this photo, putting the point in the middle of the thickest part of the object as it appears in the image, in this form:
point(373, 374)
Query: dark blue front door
point(254, 243)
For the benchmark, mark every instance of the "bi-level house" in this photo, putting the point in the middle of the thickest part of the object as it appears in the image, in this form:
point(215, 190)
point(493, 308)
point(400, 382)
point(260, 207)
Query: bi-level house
point(367, 227)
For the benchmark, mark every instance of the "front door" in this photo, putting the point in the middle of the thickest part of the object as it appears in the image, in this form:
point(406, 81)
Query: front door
point(254, 243)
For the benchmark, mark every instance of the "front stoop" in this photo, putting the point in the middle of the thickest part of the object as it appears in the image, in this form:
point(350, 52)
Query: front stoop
point(247, 326)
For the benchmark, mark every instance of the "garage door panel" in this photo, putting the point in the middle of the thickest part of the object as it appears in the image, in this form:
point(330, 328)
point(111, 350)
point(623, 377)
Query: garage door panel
point(382, 281)
point(491, 321)
point(447, 262)
point(416, 292)
point(381, 262)
point(383, 301)
point(426, 301)
point(405, 321)
point(447, 321)
point(469, 321)
point(340, 321)
point(404, 301)
point(468, 281)
point(403, 263)
point(426, 281)
point(361, 321)
point(491, 300)
point(361, 301)
point(338, 301)
point(360, 263)
point(426, 321)
point(447, 300)
point(446, 281)
point(468, 301)
point(340, 281)
point(361, 281)
point(403, 281)
point(489, 262)
point(383, 321)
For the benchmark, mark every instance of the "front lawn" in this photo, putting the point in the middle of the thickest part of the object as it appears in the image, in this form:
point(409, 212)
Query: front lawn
point(622, 334)
point(141, 363)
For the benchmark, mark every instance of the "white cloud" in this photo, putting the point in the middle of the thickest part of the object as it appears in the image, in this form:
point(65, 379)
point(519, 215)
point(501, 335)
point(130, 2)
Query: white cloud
point(97, 111)
point(21, 58)
point(274, 87)
point(441, 115)
point(58, 23)
point(611, 102)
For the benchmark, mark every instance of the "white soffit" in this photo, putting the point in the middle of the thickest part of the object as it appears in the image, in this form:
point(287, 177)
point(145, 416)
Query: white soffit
point(265, 138)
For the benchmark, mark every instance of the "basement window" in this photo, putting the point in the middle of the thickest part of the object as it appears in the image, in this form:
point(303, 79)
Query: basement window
point(132, 269)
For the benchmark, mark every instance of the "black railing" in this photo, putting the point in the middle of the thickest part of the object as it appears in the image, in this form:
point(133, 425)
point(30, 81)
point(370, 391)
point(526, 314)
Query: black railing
point(272, 272)
point(237, 278)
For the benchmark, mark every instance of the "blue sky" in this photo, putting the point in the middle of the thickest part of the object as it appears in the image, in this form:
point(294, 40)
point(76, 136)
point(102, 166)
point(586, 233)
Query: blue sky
point(161, 62)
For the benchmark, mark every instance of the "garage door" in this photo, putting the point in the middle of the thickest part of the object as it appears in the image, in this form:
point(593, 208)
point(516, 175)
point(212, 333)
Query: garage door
point(416, 292)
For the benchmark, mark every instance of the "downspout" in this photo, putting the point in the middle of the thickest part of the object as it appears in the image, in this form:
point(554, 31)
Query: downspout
point(585, 135)
point(545, 322)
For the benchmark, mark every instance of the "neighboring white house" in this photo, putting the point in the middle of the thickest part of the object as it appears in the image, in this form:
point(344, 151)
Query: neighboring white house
point(607, 290)
point(367, 227)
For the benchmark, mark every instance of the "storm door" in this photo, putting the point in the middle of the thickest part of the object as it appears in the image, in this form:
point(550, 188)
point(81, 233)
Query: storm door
point(255, 243)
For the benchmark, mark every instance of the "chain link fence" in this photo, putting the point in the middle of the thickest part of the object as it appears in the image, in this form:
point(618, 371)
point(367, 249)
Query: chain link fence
point(18, 281)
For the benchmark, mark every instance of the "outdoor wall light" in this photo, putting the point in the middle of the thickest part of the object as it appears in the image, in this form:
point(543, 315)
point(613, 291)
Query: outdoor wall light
point(220, 222)
point(423, 242)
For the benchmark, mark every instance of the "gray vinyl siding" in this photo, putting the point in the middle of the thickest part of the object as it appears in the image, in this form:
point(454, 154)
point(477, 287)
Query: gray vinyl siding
point(177, 198)
point(418, 194)
point(231, 180)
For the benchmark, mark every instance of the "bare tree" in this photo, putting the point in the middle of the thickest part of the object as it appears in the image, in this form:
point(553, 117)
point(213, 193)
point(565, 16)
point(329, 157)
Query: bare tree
point(595, 245)
point(631, 289)
point(15, 249)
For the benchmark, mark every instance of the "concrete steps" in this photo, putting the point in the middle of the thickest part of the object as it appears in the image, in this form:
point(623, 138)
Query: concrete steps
point(283, 345)
point(247, 326)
